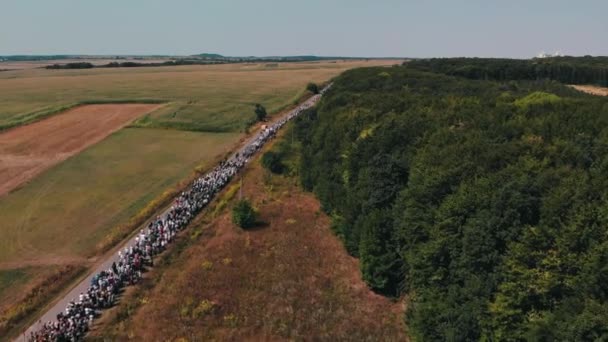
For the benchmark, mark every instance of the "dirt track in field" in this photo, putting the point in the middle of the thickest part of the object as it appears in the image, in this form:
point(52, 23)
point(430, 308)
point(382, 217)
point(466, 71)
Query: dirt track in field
point(593, 90)
point(27, 151)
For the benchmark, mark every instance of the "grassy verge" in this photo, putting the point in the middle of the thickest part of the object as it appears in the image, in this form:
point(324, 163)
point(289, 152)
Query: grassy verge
point(17, 317)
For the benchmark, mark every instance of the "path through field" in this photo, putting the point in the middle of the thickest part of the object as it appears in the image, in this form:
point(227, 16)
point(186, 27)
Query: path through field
point(593, 90)
point(27, 151)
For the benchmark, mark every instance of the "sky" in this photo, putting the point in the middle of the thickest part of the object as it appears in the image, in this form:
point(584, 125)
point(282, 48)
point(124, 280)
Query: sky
point(363, 28)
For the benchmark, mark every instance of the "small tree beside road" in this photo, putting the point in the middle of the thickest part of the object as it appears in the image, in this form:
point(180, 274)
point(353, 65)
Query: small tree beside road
point(313, 88)
point(243, 214)
point(260, 112)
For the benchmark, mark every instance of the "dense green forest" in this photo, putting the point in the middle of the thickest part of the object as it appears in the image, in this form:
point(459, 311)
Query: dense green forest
point(569, 70)
point(484, 201)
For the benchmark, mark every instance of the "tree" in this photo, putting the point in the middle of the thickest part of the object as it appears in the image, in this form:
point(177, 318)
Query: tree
point(313, 88)
point(243, 214)
point(260, 112)
point(380, 265)
point(272, 162)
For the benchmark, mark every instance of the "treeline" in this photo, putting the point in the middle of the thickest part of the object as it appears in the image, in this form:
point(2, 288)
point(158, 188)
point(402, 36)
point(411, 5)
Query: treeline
point(569, 70)
point(74, 65)
point(486, 202)
point(166, 63)
point(86, 65)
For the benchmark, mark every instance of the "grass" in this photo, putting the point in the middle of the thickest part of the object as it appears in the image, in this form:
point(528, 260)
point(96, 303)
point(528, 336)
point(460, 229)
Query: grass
point(14, 318)
point(289, 279)
point(11, 279)
point(69, 209)
point(213, 97)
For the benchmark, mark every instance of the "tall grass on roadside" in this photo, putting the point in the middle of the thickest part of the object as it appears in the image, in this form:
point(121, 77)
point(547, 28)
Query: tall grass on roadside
point(14, 318)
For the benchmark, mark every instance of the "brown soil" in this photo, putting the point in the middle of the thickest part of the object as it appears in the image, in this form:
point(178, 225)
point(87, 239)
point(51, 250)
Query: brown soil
point(27, 151)
point(593, 90)
point(289, 278)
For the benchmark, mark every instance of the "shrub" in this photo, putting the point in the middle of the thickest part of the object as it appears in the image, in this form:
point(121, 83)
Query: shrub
point(272, 162)
point(260, 112)
point(313, 88)
point(537, 98)
point(243, 214)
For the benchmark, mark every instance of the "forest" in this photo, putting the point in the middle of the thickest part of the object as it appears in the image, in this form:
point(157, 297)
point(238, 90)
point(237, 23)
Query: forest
point(482, 198)
point(569, 70)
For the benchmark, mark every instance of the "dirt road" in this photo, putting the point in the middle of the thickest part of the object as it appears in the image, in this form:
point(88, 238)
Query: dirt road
point(593, 90)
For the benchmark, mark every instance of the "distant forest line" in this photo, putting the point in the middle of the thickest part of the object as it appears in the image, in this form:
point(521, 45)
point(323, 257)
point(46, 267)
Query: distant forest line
point(568, 70)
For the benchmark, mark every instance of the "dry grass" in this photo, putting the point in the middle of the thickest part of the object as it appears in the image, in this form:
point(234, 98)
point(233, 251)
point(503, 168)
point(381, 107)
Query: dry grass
point(42, 287)
point(288, 279)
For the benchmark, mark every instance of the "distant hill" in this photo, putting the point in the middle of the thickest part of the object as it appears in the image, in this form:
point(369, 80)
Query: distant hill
point(209, 56)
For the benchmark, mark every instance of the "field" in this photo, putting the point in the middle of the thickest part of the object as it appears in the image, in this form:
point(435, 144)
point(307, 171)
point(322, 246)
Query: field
point(27, 151)
point(69, 214)
point(288, 279)
point(62, 214)
point(209, 98)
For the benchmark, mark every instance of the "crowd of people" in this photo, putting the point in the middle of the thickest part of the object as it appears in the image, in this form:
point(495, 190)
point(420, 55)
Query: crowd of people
point(127, 269)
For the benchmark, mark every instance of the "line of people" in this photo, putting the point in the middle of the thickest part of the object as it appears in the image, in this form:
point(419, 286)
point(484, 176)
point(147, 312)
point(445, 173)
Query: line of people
point(127, 269)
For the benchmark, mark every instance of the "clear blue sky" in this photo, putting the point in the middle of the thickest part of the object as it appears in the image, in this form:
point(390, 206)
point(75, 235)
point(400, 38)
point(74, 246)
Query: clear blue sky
point(420, 28)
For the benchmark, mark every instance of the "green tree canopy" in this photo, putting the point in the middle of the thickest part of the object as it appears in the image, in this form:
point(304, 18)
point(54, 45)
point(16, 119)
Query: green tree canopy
point(272, 162)
point(482, 193)
point(260, 112)
point(313, 88)
point(243, 214)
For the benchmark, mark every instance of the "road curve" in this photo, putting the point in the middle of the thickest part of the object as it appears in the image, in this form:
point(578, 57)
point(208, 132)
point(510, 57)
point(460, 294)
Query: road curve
point(83, 285)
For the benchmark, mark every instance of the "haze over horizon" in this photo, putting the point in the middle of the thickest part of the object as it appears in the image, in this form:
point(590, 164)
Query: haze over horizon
point(388, 28)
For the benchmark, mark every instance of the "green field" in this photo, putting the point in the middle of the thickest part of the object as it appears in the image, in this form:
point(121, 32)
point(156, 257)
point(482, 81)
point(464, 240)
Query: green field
point(67, 210)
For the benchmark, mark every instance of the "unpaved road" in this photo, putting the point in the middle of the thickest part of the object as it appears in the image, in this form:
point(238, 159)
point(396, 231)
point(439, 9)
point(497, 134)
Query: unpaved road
point(27, 151)
point(59, 306)
point(593, 90)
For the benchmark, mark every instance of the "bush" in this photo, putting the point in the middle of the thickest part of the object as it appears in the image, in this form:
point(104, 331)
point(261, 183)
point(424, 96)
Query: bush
point(313, 88)
point(260, 112)
point(243, 214)
point(272, 162)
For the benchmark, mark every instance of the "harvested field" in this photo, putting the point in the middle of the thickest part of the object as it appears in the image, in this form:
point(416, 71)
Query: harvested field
point(205, 97)
point(28, 150)
point(288, 279)
point(593, 90)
